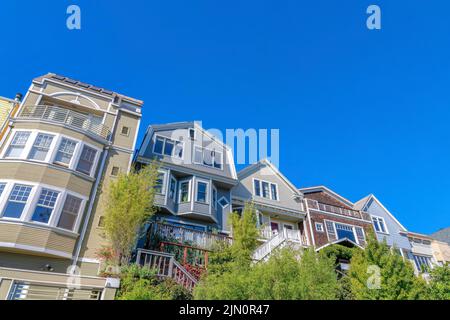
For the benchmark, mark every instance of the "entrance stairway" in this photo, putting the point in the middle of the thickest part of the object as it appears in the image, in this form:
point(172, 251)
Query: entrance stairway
point(278, 241)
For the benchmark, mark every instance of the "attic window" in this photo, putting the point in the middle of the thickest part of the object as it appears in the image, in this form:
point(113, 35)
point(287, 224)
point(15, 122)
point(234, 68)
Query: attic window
point(265, 189)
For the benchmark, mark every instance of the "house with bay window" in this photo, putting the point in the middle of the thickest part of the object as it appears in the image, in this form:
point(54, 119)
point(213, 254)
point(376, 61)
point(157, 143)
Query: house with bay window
point(333, 219)
point(65, 138)
point(281, 215)
point(196, 176)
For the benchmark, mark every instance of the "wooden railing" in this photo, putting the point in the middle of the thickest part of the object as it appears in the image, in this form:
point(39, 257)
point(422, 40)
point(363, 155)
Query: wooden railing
point(199, 239)
point(313, 204)
point(166, 266)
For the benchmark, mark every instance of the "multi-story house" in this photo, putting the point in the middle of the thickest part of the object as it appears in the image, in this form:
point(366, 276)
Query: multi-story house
point(193, 196)
point(281, 215)
point(66, 138)
point(386, 227)
point(333, 219)
point(441, 246)
point(422, 251)
point(8, 108)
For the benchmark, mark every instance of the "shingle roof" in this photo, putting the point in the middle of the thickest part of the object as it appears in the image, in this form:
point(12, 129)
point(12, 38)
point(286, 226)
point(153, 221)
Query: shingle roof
point(442, 235)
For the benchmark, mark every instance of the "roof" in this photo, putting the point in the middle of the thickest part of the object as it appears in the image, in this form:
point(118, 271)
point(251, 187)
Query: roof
point(266, 162)
point(327, 190)
point(418, 235)
point(360, 205)
point(442, 235)
point(89, 87)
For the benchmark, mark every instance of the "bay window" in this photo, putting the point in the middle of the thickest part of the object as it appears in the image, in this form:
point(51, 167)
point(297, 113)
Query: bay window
point(184, 191)
point(65, 151)
point(202, 192)
point(45, 206)
point(172, 188)
point(86, 160)
point(160, 179)
point(17, 144)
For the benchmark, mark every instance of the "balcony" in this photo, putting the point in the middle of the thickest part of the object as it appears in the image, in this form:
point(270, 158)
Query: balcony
point(66, 117)
point(267, 233)
point(314, 205)
point(175, 234)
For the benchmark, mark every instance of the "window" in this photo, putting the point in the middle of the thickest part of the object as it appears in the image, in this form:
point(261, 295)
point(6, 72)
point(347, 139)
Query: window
point(214, 197)
point(45, 206)
point(86, 160)
point(115, 171)
point(125, 131)
point(379, 224)
point(345, 231)
point(422, 262)
point(319, 227)
point(2, 187)
point(265, 189)
point(360, 234)
point(172, 188)
point(168, 147)
point(41, 146)
point(184, 191)
point(159, 185)
point(70, 212)
point(17, 201)
point(208, 157)
point(202, 192)
point(65, 151)
point(17, 144)
point(223, 202)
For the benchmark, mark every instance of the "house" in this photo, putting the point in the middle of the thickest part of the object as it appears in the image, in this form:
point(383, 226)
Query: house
point(8, 108)
point(422, 251)
point(65, 138)
point(441, 246)
point(196, 176)
point(386, 226)
point(333, 219)
point(281, 213)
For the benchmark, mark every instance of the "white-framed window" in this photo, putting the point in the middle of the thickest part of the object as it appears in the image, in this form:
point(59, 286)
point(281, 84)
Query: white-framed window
point(379, 224)
point(41, 204)
point(86, 161)
point(41, 147)
point(160, 182)
point(17, 145)
point(173, 188)
point(202, 193)
point(45, 206)
point(70, 212)
point(223, 202)
point(168, 147)
point(422, 262)
point(184, 191)
point(208, 157)
point(17, 201)
point(265, 189)
point(319, 227)
point(65, 152)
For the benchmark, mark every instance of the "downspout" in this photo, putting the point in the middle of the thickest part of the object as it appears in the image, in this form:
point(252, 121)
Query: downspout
point(94, 194)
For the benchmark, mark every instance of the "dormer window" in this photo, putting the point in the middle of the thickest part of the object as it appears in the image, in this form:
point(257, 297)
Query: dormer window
point(265, 189)
point(168, 147)
point(208, 157)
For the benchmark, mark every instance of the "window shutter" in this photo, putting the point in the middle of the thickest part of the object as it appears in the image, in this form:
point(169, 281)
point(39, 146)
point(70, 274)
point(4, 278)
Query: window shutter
point(330, 231)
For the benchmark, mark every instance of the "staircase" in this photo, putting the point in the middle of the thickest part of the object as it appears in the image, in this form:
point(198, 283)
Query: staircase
point(278, 241)
point(166, 267)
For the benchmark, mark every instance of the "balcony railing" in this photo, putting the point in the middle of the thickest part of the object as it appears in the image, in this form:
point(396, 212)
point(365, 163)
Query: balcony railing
point(313, 204)
point(67, 117)
point(199, 239)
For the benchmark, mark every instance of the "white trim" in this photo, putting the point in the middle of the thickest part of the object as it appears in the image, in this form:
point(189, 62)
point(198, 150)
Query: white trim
point(35, 249)
point(319, 224)
point(212, 158)
point(261, 189)
point(378, 218)
point(386, 210)
point(164, 146)
point(207, 182)
point(224, 198)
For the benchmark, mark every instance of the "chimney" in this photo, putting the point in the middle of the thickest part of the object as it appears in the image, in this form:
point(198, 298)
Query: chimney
point(18, 97)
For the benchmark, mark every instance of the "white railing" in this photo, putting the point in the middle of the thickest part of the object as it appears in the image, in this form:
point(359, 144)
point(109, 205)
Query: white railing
point(67, 117)
point(203, 240)
point(166, 267)
point(279, 239)
point(27, 291)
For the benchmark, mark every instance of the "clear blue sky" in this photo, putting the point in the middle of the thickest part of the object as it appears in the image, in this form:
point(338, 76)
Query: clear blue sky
point(358, 111)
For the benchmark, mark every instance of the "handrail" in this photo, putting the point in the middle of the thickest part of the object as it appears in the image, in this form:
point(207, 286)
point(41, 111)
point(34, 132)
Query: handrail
point(66, 116)
point(278, 239)
point(315, 205)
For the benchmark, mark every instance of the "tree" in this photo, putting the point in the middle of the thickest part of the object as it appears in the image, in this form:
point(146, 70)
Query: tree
point(439, 286)
point(129, 204)
point(379, 273)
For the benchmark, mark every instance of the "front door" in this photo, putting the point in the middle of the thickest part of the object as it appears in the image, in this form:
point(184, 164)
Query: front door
point(275, 227)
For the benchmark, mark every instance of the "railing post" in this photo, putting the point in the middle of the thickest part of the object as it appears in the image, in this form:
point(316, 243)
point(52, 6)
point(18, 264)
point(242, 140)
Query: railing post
point(171, 267)
point(138, 259)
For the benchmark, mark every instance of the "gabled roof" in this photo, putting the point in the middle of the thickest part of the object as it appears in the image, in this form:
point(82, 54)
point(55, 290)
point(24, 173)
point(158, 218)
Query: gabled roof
point(329, 191)
point(361, 205)
point(265, 162)
point(442, 235)
point(340, 241)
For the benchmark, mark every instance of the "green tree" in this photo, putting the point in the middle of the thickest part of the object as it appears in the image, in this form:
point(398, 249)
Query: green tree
point(439, 286)
point(128, 205)
point(379, 273)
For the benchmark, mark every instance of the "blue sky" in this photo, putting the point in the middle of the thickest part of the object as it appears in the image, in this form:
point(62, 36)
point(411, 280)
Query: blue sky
point(358, 111)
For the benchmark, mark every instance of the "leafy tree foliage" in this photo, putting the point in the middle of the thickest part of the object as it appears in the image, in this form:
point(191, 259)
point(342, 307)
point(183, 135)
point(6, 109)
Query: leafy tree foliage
point(439, 286)
point(129, 204)
point(379, 273)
